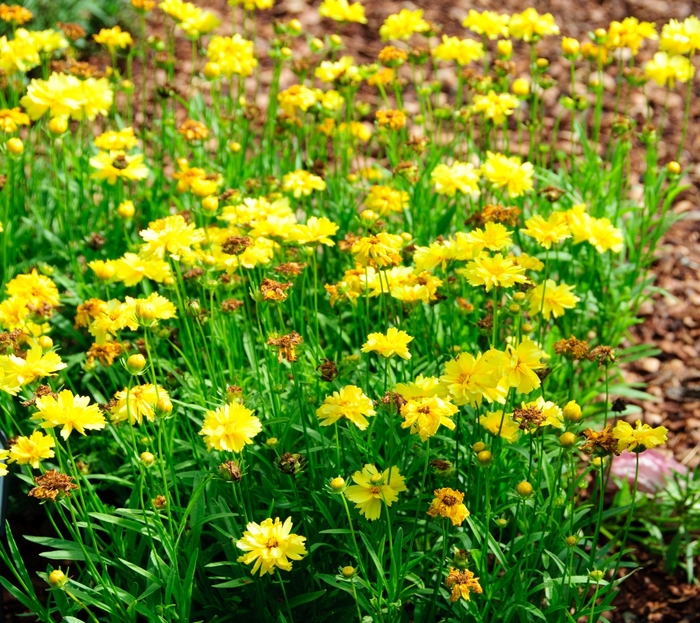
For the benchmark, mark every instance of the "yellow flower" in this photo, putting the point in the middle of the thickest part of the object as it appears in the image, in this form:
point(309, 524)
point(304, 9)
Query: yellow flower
point(496, 422)
point(425, 415)
point(681, 38)
point(640, 438)
point(372, 488)
point(111, 166)
point(115, 317)
point(112, 140)
point(230, 427)
point(329, 71)
point(64, 95)
point(629, 33)
point(494, 237)
point(233, 55)
point(271, 546)
point(550, 414)
point(378, 251)
point(531, 26)
point(177, 9)
point(342, 11)
point(296, 97)
point(488, 23)
point(395, 342)
point(34, 289)
point(460, 176)
point(154, 307)
point(462, 583)
point(104, 270)
point(172, 235)
point(131, 269)
point(549, 232)
point(250, 5)
point(15, 14)
point(422, 387)
point(20, 371)
point(403, 24)
point(3, 457)
point(113, 38)
point(469, 379)
point(32, 450)
point(449, 503)
point(316, 231)
point(11, 118)
point(579, 222)
point(137, 403)
point(665, 70)
point(493, 271)
point(557, 299)
point(199, 23)
point(70, 412)
point(462, 51)
point(356, 130)
point(392, 119)
point(604, 236)
point(509, 173)
point(521, 366)
point(349, 403)
point(302, 183)
point(495, 106)
point(385, 200)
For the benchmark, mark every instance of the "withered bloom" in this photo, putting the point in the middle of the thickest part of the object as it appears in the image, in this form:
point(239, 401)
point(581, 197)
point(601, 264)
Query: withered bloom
point(328, 370)
point(105, 353)
point(392, 397)
point(193, 273)
point(236, 244)
point(572, 348)
point(551, 193)
point(528, 417)
point(231, 305)
point(290, 464)
point(230, 470)
point(72, 31)
point(52, 486)
point(286, 345)
point(274, 290)
point(159, 501)
point(40, 392)
point(9, 342)
point(290, 268)
point(601, 443)
point(604, 355)
point(347, 243)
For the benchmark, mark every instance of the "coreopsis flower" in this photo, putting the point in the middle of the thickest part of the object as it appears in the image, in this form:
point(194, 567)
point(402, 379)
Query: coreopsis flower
point(286, 345)
point(52, 486)
point(104, 353)
point(36, 290)
point(425, 415)
point(523, 360)
point(548, 413)
point(460, 177)
point(495, 106)
point(315, 231)
point(641, 437)
point(36, 364)
point(488, 23)
point(11, 119)
point(629, 33)
point(530, 26)
point(343, 11)
point(493, 271)
point(394, 342)
point(498, 423)
point(230, 428)
point(271, 546)
point(680, 38)
point(422, 387)
point(193, 130)
point(604, 236)
point(199, 23)
point(462, 583)
point(508, 173)
point(32, 450)
point(113, 38)
point(48, 41)
point(665, 70)
point(600, 443)
point(392, 119)
point(449, 503)
point(351, 403)
point(15, 14)
point(461, 51)
point(69, 411)
point(233, 55)
point(131, 269)
point(329, 71)
point(494, 237)
point(356, 130)
point(468, 379)
point(177, 9)
point(400, 26)
point(547, 232)
point(373, 487)
point(302, 183)
point(385, 200)
point(143, 5)
point(251, 5)
point(172, 235)
point(557, 299)
point(391, 56)
point(151, 309)
point(135, 404)
point(4, 454)
point(296, 97)
point(103, 270)
point(116, 140)
point(379, 250)
point(111, 166)
point(115, 317)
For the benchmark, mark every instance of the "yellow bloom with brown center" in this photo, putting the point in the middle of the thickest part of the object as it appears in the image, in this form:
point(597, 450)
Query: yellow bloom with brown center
point(32, 450)
point(462, 583)
point(493, 271)
point(271, 545)
point(69, 411)
point(172, 235)
point(35, 289)
point(16, 372)
point(394, 342)
point(372, 488)
point(230, 428)
point(378, 251)
point(425, 415)
point(351, 403)
point(111, 166)
point(523, 360)
point(641, 437)
point(469, 379)
point(449, 503)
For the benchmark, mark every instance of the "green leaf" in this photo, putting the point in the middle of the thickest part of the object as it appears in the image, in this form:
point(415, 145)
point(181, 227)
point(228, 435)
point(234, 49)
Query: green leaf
point(305, 598)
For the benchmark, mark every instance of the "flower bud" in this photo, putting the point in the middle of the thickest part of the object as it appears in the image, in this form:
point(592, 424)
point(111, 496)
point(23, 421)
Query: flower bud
point(45, 342)
point(15, 145)
point(235, 146)
point(514, 308)
point(542, 63)
point(164, 406)
point(316, 45)
point(336, 40)
point(527, 327)
point(570, 47)
point(212, 71)
point(210, 204)
point(135, 364)
point(286, 52)
point(57, 578)
point(567, 440)
point(520, 87)
point(58, 125)
point(295, 25)
point(524, 489)
point(572, 412)
point(673, 168)
point(519, 296)
point(338, 483)
point(484, 457)
point(501, 522)
point(571, 540)
point(596, 575)
point(505, 48)
point(348, 572)
point(147, 458)
point(479, 446)
point(272, 442)
point(126, 209)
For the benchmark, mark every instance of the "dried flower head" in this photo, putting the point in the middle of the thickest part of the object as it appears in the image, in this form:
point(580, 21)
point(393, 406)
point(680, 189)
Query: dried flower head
point(328, 370)
point(236, 244)
point(572, 348)
point(290, 464)
point(604, 355)
point(600, 443)
point(462, 583)
point(286, 345)
point(529, 417)
point(52, 486)
point(274, 290)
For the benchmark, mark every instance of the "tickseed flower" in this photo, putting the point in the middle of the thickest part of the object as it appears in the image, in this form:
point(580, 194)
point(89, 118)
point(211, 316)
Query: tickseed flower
point(665, 70)
point(151, 309)
point(372, 488)
point(136, 404)
point(172, 235)
point(351, 403)
point(489, 23)
point(461, 51)
point(604, 236)
point(4, 454)
point(469, 379)
point(494, 237)
point(113, 38)
point(233, 55)
point(641, 437)
point(493, 271)
point(296, 97)
point(199, 23)
point(425, 415)
point(557, 299)
point(530, 26)
point(70, 412)
point(385, 200)
point(550, 414)
point(462, 583)
point(462, 177)
point(302, 183)
point(271, 546)
point(495, 106)
point(496, 422)
point(522, 363)
point(63, 95)
point(392, 119)
point(449, 503)
point(343, 11)
point(681, 37)
point(15, 14)
point(549, 232)
point(15, 372)
point(11, 118)
point(131, 269)
point(193, 130)
point(111, 166)
point(402, 25)
point(378, 251)
point(34, 289)
point(629, 33)
point(329, 71)
point(251, 5)
point(395, 342)
point(113, 140)
point(230, 427)
point(32, 450)
point(508, 173)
